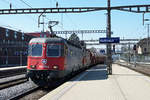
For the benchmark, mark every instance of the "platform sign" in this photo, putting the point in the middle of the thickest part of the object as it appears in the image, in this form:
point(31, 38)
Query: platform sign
point(109, 40)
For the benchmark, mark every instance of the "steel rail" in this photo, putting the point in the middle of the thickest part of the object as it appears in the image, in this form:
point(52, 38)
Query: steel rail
point(11, 83)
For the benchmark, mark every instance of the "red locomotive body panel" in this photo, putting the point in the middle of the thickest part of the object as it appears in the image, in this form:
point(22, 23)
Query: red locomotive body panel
point(37, 63)
point(44, 62)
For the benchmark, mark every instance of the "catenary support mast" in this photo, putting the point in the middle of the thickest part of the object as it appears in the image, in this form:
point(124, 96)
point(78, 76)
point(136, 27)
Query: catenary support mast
point(108, 35)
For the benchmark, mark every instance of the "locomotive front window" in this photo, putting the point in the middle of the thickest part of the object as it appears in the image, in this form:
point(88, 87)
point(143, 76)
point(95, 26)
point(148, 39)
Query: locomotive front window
point(53, 50)
point(35, 50)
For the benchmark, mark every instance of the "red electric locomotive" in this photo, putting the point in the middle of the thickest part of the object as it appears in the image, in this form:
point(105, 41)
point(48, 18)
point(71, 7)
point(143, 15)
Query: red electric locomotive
point(50, 59)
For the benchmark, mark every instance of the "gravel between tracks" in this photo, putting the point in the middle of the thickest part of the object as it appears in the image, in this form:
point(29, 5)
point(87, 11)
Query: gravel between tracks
point(35, 95)
point(5, 94)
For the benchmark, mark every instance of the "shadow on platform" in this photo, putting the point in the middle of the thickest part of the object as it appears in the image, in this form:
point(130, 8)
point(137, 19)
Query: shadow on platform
point(96, 73)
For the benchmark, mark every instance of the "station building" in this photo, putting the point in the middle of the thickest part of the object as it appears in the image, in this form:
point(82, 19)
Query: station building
point(13, 47)
point(144, 45)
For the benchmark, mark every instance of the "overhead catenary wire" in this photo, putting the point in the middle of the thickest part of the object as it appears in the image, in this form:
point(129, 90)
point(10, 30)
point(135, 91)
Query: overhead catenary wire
point(18, 4)
point(6, 1)
point(72, 22)
point(26, 3)
point(23, 1)
point(4, 24)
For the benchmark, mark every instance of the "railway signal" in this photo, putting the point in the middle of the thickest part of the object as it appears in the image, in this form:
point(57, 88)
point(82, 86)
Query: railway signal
point(134, 47)
point(114, 49)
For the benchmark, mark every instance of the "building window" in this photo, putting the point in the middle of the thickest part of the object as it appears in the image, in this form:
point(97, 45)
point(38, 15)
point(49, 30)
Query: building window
point(12, 42)
point(15, 34)
point(3, 41)
point(7, 32)
point(145, 49)
point(8, 41)
point(22, 36)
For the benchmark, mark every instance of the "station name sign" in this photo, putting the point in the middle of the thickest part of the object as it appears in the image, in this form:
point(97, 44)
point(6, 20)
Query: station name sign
point(109, 40)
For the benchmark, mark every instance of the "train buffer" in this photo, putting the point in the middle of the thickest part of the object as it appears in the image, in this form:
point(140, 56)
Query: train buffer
point(93, 84)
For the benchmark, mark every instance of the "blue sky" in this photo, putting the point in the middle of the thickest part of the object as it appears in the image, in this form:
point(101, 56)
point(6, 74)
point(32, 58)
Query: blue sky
point(124, 24)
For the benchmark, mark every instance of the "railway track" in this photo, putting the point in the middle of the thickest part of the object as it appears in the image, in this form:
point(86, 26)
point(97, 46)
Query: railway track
point(33, 93)
point(10, 75)
point(12, 72)
point(22, 89)
point(37, 92)
point(144, 69)
point(26, 92)
point(10, 83)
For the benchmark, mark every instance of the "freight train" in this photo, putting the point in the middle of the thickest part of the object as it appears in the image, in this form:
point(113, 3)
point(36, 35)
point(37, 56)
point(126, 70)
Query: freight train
point(52, 59)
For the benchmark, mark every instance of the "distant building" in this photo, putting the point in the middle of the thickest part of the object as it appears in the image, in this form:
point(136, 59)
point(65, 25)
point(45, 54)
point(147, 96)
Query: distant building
point(144, 45)
point(13, 47)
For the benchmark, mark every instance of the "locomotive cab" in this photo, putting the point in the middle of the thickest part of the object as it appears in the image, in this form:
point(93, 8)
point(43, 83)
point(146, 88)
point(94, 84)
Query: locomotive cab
point(46, 60)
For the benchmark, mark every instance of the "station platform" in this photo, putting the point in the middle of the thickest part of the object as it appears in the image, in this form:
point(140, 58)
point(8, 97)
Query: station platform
point(11, 68)
point(94, 84)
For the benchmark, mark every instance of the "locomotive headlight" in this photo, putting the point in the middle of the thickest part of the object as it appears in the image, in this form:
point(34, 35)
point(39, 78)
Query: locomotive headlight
point(44, 61)
point(33, 66)
point(55, 67)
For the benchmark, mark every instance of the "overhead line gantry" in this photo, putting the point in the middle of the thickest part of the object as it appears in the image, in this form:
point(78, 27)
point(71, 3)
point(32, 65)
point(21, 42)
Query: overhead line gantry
point(81, 32)
point(131, 8)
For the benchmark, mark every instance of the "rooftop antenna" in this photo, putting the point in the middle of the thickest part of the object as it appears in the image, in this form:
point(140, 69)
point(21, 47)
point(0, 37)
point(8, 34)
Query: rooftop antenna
point(10, 5)
point(56, 4)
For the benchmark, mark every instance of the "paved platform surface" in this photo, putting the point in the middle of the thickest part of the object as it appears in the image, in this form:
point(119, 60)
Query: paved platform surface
point(93, 84)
